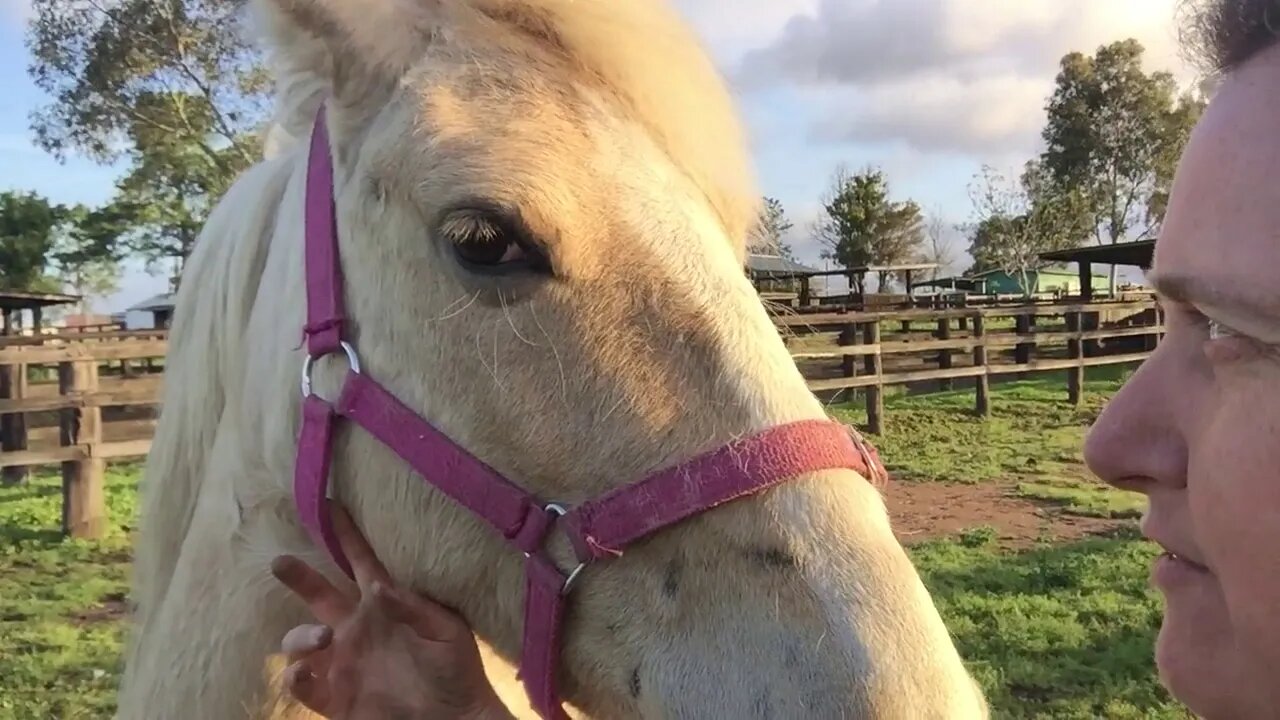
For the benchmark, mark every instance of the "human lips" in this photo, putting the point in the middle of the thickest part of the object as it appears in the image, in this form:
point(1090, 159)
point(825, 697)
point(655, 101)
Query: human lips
point(1176, 567)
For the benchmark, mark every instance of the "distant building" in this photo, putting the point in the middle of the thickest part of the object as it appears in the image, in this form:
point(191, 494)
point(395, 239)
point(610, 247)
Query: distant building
point(1046, 281)
point(152, 313)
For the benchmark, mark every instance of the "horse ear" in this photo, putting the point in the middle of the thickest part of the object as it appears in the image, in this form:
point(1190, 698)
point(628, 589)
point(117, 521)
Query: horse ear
point(357, 47)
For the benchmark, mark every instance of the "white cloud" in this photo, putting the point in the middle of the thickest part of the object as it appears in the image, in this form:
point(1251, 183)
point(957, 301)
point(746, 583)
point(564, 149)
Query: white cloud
point(964, 76)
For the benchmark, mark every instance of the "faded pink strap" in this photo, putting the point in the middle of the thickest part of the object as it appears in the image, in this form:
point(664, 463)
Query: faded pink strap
point(604, 526)
point(324, 271)
point(311, 477)
point(540, 652)
point(440, 461)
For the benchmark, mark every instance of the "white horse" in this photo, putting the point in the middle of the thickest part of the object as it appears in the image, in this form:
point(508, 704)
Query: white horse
point(542, 207)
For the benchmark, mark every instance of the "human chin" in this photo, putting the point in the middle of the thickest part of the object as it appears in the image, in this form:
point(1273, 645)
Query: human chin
point(1194, 650)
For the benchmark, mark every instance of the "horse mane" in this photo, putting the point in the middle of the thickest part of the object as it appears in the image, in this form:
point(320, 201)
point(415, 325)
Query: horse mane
point(205, 357)
point(641, 51)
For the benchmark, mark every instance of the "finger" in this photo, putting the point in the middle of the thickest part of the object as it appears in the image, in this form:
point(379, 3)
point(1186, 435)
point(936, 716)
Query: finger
point(304, 640)
point(365, 564)
point(328, 604)
point(428, 619)
point(306, 687)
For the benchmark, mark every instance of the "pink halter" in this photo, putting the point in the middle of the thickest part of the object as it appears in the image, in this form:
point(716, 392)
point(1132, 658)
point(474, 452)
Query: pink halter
point(598, 529)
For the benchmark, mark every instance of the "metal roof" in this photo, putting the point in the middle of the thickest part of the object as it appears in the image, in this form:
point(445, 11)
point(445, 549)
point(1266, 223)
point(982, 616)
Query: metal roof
point(159, 302)
point(1137, 254)
point(775, 265)
point(15, 300)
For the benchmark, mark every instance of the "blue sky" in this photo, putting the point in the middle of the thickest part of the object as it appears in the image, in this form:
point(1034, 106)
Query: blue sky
point(929, 90)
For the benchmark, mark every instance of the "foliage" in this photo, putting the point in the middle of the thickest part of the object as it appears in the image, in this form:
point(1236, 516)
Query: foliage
point(1114, 135)
point(173, 85)
point(86, 253)
point(938, 249)
point(1061, 631)
point(768, 235)
point(28, 227)
point(50, 248)
point(1017, 221)
point(61, 602)
point(861, 226)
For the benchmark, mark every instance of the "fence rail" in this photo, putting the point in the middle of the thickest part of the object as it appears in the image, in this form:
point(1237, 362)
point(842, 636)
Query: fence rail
point(871, 351)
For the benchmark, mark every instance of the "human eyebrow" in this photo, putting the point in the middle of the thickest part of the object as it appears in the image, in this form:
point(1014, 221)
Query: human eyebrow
point(1222, 301)
point(1201, 292)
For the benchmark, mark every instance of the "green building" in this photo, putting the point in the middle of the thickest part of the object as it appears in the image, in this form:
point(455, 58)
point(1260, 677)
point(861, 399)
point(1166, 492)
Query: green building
point(1046, 281)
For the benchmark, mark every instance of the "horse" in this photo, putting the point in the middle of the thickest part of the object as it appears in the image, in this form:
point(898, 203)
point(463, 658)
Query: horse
point(541, 211)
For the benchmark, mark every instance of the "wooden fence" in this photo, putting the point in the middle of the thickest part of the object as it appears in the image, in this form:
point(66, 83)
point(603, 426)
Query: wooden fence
point(968, 343)
point(58, 380)
point(839, 353)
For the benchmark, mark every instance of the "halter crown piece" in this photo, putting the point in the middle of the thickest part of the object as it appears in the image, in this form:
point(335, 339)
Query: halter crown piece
point(597, 529)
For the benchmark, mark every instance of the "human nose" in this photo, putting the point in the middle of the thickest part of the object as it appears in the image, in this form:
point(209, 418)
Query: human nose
point(1136, 443)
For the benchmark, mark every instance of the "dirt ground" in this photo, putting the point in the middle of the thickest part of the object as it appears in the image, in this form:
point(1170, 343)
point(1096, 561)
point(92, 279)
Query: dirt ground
point(921, 511)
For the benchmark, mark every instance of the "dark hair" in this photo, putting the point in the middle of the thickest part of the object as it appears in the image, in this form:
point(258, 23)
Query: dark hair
point(1225, 34)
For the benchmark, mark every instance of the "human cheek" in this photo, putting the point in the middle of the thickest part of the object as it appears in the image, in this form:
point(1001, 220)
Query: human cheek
point(1235, 503)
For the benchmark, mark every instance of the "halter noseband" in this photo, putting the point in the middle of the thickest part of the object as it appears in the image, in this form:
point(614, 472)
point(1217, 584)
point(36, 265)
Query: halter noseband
point(597, 529)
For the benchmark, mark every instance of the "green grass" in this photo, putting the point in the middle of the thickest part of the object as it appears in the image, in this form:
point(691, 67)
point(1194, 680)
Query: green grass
point(1063, 631)
point(1032, 430)
point(1057, 631)
point(1089, 499)
point(56, 659)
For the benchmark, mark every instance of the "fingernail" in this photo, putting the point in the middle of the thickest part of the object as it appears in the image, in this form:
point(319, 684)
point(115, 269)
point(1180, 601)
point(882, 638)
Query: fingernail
point(320, 635)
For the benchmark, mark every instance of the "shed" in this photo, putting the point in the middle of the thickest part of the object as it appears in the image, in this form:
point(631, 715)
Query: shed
point(1044, 281)
point(13, 303)
point(159, 307)
point(1134, 254)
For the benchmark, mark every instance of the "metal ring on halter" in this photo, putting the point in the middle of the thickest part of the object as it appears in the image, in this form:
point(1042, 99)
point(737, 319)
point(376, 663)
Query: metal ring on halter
point(560, 511)
point(352, 360)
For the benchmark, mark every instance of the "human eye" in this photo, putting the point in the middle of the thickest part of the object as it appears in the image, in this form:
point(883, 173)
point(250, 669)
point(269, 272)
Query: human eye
point(1226, 344)
point(1218, 329)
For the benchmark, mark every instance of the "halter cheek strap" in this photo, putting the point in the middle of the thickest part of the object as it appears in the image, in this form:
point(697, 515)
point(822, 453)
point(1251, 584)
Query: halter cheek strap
point(598, 529)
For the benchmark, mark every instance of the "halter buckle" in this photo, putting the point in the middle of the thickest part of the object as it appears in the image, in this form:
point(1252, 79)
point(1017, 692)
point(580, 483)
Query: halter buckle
point(308, 365)
point(559, 511)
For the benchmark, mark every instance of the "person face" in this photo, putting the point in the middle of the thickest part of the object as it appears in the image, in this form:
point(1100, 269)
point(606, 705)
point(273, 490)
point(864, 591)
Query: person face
point(1197, 428)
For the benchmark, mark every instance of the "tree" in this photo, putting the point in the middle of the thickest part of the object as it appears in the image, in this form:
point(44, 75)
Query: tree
point(1114, 135)
point(860, 226)
point(85, 256)
point(938, 249)
point(28, 225)
point(1018, 220)
point(767, 237)
point(171, 84)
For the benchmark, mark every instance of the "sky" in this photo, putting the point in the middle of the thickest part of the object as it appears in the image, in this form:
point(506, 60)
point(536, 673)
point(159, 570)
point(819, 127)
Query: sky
point(927, 90)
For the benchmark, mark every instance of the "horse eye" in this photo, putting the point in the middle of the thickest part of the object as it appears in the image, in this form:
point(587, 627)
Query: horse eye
point(493, 248)
point(486, 241)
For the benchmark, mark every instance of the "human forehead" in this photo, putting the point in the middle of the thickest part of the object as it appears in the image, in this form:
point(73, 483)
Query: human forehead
point(1223, 220)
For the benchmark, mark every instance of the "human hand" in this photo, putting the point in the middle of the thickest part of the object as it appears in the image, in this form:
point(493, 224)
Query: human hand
point(385, 653)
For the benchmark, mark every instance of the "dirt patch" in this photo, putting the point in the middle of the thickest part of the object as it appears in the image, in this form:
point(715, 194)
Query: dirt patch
point(923, 511)
point(111, 608)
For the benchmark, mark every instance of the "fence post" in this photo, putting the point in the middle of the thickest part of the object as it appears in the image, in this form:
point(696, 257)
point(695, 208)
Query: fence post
point(944, 356)
point(875, 393)
point(849, 336)
point(83, 501)
point(982, 384)
point(1022, 353)
point(13, 426)
point(1075, 348)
